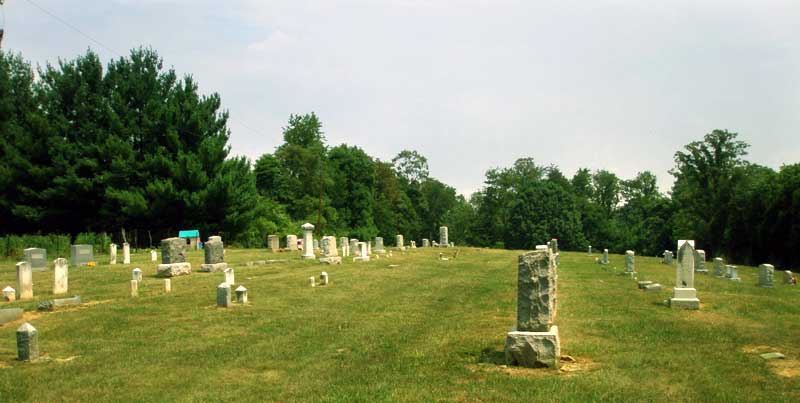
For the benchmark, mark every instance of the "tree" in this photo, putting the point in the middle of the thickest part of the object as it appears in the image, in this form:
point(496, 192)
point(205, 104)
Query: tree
point(411, 166)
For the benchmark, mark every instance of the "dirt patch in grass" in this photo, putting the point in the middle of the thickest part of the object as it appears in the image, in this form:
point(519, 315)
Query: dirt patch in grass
point(785, 368)
point(569, 367)
point(755, 349)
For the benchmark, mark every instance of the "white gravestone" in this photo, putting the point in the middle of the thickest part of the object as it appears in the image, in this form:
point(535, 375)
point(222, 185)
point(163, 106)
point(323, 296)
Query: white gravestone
point(684, 295)
point(24, 281)
point(61, 272)
point(126, 253)
point(308, 241)
point(112, 253)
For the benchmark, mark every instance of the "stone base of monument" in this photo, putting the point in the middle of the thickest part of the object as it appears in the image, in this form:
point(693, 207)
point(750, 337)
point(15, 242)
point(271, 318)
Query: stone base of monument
point(684, 298)
point(533, 349)
point(213, 267)
point(629, 273)
point(380, 252)
point(655, 287)
point(331, 260)
point(173, 269)
point(361, 259)
point(307, 257)
point(703, 271)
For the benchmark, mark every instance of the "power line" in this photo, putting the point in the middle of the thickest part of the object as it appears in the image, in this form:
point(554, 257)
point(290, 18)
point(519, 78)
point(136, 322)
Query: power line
point(74, 28)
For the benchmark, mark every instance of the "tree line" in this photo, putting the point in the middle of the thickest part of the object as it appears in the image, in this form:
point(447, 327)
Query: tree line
point(132, 145)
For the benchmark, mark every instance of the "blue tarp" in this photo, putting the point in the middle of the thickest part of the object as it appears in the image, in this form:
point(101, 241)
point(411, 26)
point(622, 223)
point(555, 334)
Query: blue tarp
point(191, 233)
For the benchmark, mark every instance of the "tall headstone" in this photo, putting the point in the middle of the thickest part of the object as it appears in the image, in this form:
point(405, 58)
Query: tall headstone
point(291, 242)
point(323, 278)
point(605, 257)
point(24, 281)
point(590, 250)
point(134, 288)
point(426, 243)
point(363, 254)
point(700, 261)
point(444, 241)
point(316, 244)
point(167, 285)
point(534, 341)
point(27, 342)
point(223, 295)
point(126, 253)
point(719, 267)
point(61, 272)
point(112, 253)
point(173, 258)
point(369, 248)
point(400, 242)
point(214, 256)
point(684, 295)
point(354, 247)
point(379, 248)
point(229, 276)
point(630, 257)
point(273, 242)
point(345, 246)
point(766, 273)
point(308, 241)
point(80, 254)
point(37, 257)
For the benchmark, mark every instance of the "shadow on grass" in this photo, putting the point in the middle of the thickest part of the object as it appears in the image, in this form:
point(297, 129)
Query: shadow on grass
point(490, 356)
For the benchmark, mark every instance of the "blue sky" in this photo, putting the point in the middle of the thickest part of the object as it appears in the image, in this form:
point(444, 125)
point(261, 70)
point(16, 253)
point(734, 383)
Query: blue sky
point(472, 85)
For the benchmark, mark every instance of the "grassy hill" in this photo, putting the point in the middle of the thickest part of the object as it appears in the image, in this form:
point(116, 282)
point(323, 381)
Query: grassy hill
point(427, 330)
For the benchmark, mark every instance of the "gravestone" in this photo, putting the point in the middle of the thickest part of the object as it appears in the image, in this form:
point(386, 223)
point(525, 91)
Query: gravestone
point(426, 243)
point(323, 278)
point(379, 248)
point(60, 302)
point(363, 255)
point(9, 294)
point(80, 254)
point(700, 261)
point(369, 248)
point(766, 273)
point(788, 277)
point(136, 274)
point(213, 256)
point(241, 294)
point(126, 253)
point(630, 262)
point(413, 244)
point(167, 285)
point(27, 343)
point(684, 295)
point(61, 273)
point(223, 295)
point(330, 255)
point(308, 241)
point(590, 250)
point(273, 242)
point(37, 257)
point(316, 244)
point(24, 281)
point(229, 276)
point(605, 257)
point(173, 258)
point(732, 273)
point(153, 256)
point(554, 245)
point(655, 287)
point(291, 242)
point(354, 247)
point(400, 242)
point(134, 288)
point(112, 253)
point(10, 315)
point(719, 267)
point(534, 341)
point(345, 246)
point(444, 241)
point(668, 257)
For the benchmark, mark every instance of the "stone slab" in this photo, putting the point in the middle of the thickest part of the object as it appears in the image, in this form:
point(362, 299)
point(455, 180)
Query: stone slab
point(533, 349)
point(173, 269)
point(655, 287)
point(643, 284)
point(213, 267)
point(10, 315)
point(331, 260)
point(684, 293)
point(684, 303)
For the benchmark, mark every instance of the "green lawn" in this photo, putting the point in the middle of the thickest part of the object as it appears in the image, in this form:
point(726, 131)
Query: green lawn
point(427, 330)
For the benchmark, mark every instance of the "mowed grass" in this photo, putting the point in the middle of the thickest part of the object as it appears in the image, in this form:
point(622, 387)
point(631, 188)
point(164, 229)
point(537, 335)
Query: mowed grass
point(427, 330)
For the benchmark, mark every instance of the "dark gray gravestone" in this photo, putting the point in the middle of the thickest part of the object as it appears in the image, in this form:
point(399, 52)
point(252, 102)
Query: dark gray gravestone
point(37, 257)
point(81, 254)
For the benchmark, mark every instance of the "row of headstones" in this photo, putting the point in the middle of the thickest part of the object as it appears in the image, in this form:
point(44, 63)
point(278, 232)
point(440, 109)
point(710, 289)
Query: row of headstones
point(25, 281)
point(273, 241)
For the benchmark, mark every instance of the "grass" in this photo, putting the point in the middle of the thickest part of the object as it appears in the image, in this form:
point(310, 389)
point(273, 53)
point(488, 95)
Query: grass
point(427, 330)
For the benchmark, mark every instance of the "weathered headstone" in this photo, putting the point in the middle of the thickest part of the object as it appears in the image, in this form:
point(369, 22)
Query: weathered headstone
point(229, 276)
point(719, 267)
point(426, 243)
point(316, 244)
point(37, 257)
point(136, 274)
point(766, 273)
point(126, 253)
point(308, 241)
point(61, 273)
point(51, 305)
point(534, 341)
point(605, 257)
point(788, 277)
point(223, 295)
point(241, 294)
point(273, 242)
point(9, 294)
point(291, 242)
point(153, 256)
point(167, 285)
point(655, 287)
point(354, 247)
point(379, 248)
point(363, 255)
point(330, 255)
point(684, 295)
point(134, 288)
point(444, 241)
point(27, 342)
point(400, 242)
point(112, 253)
point(732, 273)
point(214, 256)
point(312, 281)
point(668, 257)
point(323, 278)
point(630, 262)
point(24, 281)
point(700, 261)
point(590, 250)
point(345, 246)
point(80, 254)
point(173, 258)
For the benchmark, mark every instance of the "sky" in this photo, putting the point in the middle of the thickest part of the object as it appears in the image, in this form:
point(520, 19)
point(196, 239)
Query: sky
point(472, 85)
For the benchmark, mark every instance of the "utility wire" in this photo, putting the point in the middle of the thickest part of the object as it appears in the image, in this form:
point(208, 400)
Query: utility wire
point(74, 28)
